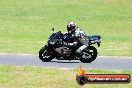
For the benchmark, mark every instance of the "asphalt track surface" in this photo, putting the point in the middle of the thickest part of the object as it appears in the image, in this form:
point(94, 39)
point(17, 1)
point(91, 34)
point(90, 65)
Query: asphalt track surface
point(110, 63)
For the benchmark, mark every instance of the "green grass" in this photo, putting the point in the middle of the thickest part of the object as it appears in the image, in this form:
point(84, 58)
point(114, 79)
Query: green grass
point(25, 25)
point(37, 77)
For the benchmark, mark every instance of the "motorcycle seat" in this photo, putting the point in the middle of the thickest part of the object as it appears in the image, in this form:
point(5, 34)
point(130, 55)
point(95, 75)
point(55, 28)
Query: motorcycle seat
point(94, 38)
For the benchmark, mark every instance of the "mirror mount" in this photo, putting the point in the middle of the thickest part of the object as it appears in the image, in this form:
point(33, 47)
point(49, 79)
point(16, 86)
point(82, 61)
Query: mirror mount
point(53, 29)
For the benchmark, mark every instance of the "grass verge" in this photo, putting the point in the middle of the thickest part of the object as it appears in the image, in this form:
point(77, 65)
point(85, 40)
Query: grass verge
point(26, 24)
point(37, 77)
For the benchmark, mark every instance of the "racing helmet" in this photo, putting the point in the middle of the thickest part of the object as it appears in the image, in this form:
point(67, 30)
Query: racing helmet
point(71, 27)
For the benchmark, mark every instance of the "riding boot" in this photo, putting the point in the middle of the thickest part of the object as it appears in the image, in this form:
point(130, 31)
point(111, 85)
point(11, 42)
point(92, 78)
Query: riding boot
point(79, 51)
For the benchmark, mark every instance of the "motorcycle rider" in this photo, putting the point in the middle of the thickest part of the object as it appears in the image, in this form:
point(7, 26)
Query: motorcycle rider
point(78, 37)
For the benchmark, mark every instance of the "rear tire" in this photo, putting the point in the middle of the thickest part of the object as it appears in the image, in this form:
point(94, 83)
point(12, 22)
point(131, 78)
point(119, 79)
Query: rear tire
point(45, 55)
point(89, 55)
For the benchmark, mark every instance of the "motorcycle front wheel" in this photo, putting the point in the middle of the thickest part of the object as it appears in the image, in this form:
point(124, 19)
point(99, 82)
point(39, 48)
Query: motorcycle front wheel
point(89, 55)
point(45, 55)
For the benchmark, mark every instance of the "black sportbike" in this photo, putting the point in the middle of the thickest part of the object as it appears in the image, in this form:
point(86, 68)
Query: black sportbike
point(55, 48)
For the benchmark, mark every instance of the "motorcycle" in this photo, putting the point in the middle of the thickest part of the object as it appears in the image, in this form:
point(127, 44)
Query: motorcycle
point(55, 48)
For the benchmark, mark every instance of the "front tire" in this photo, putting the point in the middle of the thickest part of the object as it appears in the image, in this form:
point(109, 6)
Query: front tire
point(89, 55)
point(45, 55)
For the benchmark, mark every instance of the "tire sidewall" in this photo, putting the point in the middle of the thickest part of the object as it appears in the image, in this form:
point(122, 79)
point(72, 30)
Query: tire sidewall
point(41, 57)
point(93, 56)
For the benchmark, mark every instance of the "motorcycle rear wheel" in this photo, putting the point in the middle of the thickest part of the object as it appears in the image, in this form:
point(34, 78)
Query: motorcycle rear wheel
point(45, 55)
point(89, 55)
